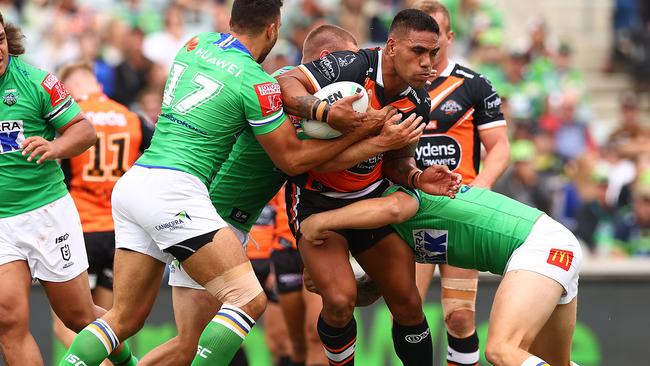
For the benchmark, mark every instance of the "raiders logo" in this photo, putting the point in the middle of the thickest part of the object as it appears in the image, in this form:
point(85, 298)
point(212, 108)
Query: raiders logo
point(9, 99)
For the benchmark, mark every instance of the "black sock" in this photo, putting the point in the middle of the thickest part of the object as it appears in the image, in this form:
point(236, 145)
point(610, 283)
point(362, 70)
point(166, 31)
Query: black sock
point(239, 359)
point(339, 343)
point(297, 364)
point(413, 344)
point(462, 351)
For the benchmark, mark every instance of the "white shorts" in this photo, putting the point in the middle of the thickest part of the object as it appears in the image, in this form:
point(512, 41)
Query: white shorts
point(553, 251)
point(49, 239)
point(179, 278)
point(154, 209)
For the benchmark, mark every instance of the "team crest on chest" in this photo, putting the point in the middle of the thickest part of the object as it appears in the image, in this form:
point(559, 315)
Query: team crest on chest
point(451, 107)
point(10, 97)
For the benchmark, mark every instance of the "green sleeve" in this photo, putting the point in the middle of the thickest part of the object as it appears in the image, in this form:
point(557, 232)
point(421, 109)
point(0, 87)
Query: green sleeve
point(262, 102)
point(410, 191)
point(57, 106)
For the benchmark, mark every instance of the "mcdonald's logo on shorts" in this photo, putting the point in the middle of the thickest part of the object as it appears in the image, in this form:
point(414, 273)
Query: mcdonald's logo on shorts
point(560, 258)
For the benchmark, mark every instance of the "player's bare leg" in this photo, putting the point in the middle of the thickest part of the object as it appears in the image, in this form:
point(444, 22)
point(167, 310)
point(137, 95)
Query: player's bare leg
point(276, 335)
point(458, 287)
point(553, 343)
point(313, 306)
point(390, 263)
point(193, 310)
point(423, 276)
point(293, 308)
point(17, 344)
point(330, 270)
point(523, 303)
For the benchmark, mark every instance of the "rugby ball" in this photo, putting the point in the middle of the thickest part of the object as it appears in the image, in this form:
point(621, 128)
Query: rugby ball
point(331, 93)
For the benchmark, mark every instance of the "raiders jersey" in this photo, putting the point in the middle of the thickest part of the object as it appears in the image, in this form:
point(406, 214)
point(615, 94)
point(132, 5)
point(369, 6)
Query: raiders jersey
point(365, 68)
point(462, 103)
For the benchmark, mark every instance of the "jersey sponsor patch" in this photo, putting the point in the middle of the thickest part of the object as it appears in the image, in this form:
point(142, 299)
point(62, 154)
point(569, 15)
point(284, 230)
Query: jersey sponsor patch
point(55, 89)
point(191, 44)
point(11, 136)
point(440, 150)
point(328, 66)
point(430, 245)
point(560, 258)
point(492, 105)
point(269, 97)
point(346, 60)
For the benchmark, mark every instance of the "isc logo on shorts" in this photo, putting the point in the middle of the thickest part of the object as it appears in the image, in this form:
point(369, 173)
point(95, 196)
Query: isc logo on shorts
point(430, 245)
point(11, 136)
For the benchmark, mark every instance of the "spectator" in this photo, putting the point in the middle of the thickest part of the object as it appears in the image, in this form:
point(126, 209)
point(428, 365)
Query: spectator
point(572, 137)
point(521, 180)
point(161, 47)
point(89, 48)
point(131, 75)
point(632, 226)
point(149, 103)
point(631, 138)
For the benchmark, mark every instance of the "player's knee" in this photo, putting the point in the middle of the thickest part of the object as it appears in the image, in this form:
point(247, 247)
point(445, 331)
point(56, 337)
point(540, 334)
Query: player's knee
point(239, 287)
point(408, 308)
point(338, 307)
point(460, 323)
point(77, 319)
point(13, 319)
point(497, 352)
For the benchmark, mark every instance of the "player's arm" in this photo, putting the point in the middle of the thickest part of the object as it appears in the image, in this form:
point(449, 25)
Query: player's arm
point(394, 135)
point(75, 137)
point(372, 213)
point(491, 125)
point(497, 156)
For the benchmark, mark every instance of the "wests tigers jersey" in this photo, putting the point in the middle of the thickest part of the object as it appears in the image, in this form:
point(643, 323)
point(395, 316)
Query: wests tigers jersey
point(365, 68)
point(462, 103)
point(121, 138)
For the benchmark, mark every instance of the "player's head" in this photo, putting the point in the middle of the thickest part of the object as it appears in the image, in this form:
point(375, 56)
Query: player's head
point(79, 78)
point(326, 39)
point(11, 43)
point(259, 20)
point(441, 15)
point(412, 45)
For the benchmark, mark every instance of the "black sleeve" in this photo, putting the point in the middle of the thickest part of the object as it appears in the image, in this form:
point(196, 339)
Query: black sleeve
point(147, 132)
point(487, 103)
point(338, 66)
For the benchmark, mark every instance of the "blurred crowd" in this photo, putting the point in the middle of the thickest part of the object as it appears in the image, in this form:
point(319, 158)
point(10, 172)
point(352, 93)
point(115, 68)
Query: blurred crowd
point(599, 190)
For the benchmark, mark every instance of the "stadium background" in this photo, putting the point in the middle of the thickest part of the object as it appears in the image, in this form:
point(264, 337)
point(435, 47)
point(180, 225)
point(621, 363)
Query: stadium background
point(575, 79)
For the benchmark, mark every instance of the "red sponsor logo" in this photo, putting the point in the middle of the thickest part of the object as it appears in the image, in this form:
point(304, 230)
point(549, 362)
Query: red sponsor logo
point(55, 89)
point(191, 44)
point(269, 97)
point(560, 258)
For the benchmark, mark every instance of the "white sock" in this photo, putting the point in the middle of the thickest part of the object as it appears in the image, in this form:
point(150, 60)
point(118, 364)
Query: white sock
point(534, 361)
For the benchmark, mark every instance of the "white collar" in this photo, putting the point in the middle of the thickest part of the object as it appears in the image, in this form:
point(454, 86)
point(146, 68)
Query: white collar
point(450, 67)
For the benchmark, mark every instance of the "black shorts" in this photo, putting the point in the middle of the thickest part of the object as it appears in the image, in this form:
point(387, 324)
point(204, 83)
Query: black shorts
point(302, 203)
point(262, 269)
point(287, 265)
point(100, 247)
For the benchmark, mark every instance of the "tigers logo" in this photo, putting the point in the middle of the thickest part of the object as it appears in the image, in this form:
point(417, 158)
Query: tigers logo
point(451, 107)
point(191, 44)
point(269, 97)
point(560, 258)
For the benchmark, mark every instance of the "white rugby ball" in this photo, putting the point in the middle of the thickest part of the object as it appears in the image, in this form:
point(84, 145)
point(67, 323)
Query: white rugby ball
point(331, 93)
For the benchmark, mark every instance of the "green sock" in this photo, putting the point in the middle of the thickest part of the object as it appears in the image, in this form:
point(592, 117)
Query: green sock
point(124, 357)
point(222, 337)
point(91, 346)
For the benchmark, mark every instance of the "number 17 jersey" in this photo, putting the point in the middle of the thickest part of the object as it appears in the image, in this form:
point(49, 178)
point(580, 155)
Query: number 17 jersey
point(215, 89)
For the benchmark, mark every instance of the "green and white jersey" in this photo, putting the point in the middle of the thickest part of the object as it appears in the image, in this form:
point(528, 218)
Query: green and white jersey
point(214, 91)
point(34, 103)
point(246, 181)
point(479, 229)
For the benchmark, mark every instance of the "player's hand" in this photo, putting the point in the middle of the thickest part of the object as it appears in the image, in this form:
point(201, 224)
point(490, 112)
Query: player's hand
point(36, 146)
point(396, 135)
point(343, 117)
point(312, 230)
point(438, 180)
point(376, 119)
point(309, 284)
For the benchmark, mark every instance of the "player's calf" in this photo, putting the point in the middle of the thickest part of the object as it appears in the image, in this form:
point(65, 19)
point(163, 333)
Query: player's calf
point(458, 304)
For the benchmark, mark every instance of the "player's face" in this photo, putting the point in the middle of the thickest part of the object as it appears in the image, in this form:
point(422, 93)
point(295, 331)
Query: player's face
point(4, 51)
point(272, 32)
point(414, 56)
point(446, 36)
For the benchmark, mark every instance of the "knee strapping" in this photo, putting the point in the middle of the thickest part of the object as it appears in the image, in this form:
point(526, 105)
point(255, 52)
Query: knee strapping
point(237, 286)
point(458, 294)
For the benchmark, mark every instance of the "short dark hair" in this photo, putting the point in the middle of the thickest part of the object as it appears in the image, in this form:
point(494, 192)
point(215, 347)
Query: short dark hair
point(326, 36)
point(434, 7)
point(70, 68)
point(252, 16)
point(413, 20)
point(14, 38)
